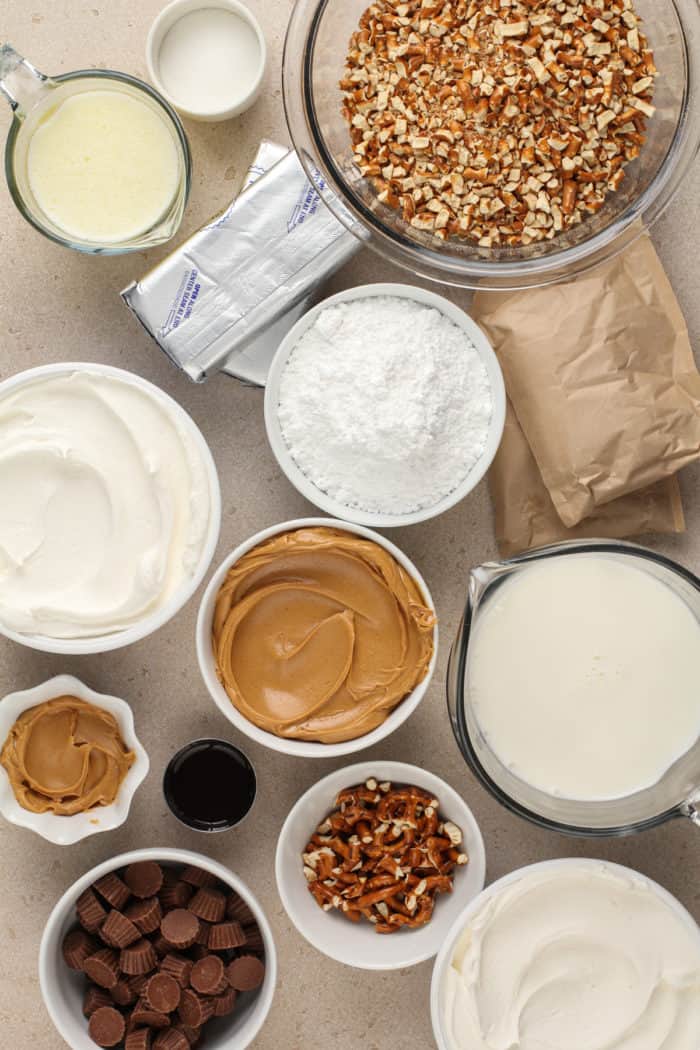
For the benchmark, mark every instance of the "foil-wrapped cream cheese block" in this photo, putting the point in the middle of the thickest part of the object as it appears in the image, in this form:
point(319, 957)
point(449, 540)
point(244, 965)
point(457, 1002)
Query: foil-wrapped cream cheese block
point(233, 279)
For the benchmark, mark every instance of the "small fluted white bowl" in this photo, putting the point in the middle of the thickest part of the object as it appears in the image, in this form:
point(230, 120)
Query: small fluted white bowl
point(356, 944)
point(64, 831)
point(63, 989)
point(207, 663)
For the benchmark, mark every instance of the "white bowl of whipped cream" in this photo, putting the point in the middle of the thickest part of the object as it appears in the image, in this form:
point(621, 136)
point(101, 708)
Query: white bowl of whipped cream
point(576, 954)
point(109, 508)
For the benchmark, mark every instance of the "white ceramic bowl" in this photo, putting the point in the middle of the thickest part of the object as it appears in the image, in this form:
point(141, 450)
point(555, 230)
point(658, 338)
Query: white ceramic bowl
point(207, 666)
point(446, 953)
point(304, 484)
point(63, 989)
point(167, 18)
point(116, 640)
point(356, 944)
point(64, 831)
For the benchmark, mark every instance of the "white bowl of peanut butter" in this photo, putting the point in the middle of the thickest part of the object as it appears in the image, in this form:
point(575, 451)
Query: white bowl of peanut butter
point(317, 637)
point(70, 760)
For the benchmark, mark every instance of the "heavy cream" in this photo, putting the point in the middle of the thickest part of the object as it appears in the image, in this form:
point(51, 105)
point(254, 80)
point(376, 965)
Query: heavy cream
point(583, 673)
point(103, 165)
point(104, 505)
point(583, 957)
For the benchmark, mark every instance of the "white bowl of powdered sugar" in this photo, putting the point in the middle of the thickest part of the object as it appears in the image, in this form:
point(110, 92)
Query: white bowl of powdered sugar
point(385, 405)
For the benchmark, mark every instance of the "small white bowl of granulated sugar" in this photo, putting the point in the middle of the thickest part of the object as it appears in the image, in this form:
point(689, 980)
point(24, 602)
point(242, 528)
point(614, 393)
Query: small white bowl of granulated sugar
point(385, 405)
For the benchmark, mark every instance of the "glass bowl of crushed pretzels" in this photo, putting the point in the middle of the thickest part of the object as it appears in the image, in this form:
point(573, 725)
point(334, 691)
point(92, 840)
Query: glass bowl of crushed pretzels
point(490, 144)
point(376, 861)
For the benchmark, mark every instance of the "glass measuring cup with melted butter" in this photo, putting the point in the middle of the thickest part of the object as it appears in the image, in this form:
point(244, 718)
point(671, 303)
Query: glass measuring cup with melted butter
point(95, 160)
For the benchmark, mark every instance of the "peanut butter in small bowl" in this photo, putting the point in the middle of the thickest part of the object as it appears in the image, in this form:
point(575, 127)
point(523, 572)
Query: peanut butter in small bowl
point(70, 760)
point(65, 756)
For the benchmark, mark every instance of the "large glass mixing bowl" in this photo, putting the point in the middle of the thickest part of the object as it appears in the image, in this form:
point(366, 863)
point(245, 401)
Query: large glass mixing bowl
point(314, 57)
point(677, 794)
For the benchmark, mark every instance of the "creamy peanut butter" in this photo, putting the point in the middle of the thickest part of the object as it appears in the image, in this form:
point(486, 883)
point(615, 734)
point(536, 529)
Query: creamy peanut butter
point(66, 756)
point(318, 634)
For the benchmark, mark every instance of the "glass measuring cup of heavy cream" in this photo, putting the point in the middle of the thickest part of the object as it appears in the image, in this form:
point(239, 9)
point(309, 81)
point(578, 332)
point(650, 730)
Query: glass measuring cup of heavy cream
point(95, 160)
point(573, 686)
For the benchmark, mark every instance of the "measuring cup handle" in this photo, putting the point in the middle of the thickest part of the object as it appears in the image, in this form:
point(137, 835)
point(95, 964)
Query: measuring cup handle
point(691, 809)
point(20, 83)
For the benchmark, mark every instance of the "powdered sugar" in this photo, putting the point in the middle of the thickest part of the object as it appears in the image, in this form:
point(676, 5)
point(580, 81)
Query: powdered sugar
point(385, 404)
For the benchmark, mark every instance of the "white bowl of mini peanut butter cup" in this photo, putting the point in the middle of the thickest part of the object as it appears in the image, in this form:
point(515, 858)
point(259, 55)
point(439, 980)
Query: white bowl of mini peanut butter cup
point(207, 660)
point(56, 828)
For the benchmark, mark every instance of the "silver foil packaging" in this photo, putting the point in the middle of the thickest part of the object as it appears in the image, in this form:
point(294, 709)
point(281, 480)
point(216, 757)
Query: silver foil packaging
point(216, 294)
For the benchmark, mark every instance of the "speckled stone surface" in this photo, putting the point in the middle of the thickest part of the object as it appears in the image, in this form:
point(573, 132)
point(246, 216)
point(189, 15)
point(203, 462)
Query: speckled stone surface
point(56, 305)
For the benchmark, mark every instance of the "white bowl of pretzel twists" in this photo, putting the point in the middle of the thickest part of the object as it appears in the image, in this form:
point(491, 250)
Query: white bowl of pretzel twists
point(371, 872)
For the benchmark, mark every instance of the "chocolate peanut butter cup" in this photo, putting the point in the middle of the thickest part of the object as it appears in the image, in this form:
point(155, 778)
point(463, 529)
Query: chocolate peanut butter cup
point(103, 968)
point(179, 967)
point(139, 957)
point(253, 939)
point(180, 927)
point(113, 890)
point(122, 993)
point(245, 973)
point(139, 1039)
point(197, 877)
point(117, 931)
point(106, 1026)
point(161, 945)
point(137, 982)
point(208, 976)
point(144, 1016)
point(145, 914)
point(192, 1035)
point(236, 908)
point(225, 1003)
point(203, 935)
point(194, 1011)
point(176, 895)
point(226, 935)
point(208, 904)
point(90, 912)
point(163, 993)
point(95, 997)
point(144, 878)
point(171, 1039)
point(76, 948)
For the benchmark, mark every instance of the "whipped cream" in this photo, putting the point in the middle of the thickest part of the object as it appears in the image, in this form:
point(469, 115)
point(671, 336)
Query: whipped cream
point(583, 957)
point(104, 505)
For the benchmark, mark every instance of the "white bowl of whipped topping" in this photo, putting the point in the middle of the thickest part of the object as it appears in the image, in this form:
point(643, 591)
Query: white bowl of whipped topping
point(109, 508)
point(569, 953)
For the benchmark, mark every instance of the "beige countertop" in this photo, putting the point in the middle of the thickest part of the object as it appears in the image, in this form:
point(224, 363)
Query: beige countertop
point(56, 305)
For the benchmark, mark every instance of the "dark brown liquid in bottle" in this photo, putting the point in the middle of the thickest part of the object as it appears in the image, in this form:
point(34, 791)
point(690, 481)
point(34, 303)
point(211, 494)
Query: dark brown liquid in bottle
point(209, 785)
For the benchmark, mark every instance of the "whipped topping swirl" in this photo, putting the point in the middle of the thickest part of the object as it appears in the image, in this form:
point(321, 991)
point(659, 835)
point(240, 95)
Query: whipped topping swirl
point(584, 957)
point(104, 505)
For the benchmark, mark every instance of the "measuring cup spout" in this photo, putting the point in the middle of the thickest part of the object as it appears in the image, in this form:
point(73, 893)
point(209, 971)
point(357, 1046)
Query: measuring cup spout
point(20, 83)
point(481, 576)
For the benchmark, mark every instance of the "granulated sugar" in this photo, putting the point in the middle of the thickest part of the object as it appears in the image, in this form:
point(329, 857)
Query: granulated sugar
point(385, 404)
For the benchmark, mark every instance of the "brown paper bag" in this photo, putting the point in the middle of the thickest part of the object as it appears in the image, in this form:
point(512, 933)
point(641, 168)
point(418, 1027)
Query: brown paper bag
point(525, 516)
point(601, 375)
